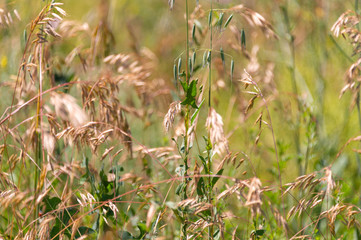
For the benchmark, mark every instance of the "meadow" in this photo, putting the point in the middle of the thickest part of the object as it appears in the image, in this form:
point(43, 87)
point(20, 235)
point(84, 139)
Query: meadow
point(180, 119)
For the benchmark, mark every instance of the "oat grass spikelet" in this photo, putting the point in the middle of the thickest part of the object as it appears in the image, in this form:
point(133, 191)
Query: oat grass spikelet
point(174, 109)
point(214, 124)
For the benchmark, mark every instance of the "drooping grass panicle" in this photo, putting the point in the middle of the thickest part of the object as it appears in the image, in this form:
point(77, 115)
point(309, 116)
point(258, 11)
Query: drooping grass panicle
point(174, 110)
point(214, 123)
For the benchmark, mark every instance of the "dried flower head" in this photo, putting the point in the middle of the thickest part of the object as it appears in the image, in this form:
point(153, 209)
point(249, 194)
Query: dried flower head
point(214, 124)
point(174, 109)
point(255, 19)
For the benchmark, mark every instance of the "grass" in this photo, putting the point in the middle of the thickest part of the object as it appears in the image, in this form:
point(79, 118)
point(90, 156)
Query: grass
point(192, 120)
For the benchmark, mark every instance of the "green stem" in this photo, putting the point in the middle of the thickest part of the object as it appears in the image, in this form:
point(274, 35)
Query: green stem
point(210, 188)
point(187, 43)
point(340, 49)
point(294, 84)
point(184, 225)
point(210, 62)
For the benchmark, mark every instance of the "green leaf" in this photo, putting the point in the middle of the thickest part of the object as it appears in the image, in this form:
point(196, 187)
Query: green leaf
point(194, 58)
point(222, 56)
point(228, 21)
point(180, 189)
point(210, 18)
point(196, 112)
point(3, 223)
point(24, 39)
point(217, 235)
point(143, 230)
point(191, 95)
point(260, 232)
point(126, 235)
point(204, 162)
point(175, 74)
point(220, 21)
point(215, 179)
point(54, 231)
point(184, 85)
point(194, 33)
point(179, 65)
point(190, 64)
point(180, 171)
point(200, 187)
point(208, 143)
point(209, 57)
point(51, 203)
point(68, 213)
point(232, 69)
point(243, 38)
point(204, 61)
point(88, 175)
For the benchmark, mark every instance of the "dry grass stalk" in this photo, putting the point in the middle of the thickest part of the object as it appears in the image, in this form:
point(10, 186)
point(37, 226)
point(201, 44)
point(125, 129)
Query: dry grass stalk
point(302, 237)
point(354, 139)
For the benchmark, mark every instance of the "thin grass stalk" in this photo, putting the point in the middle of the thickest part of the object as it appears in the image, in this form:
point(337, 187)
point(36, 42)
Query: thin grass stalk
point(184, 225)
point(38, 124)
point(292, 68)
point(276, 149)
point(39, 148)
point(210, 188)
point(277, 157)
point(358, 86)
